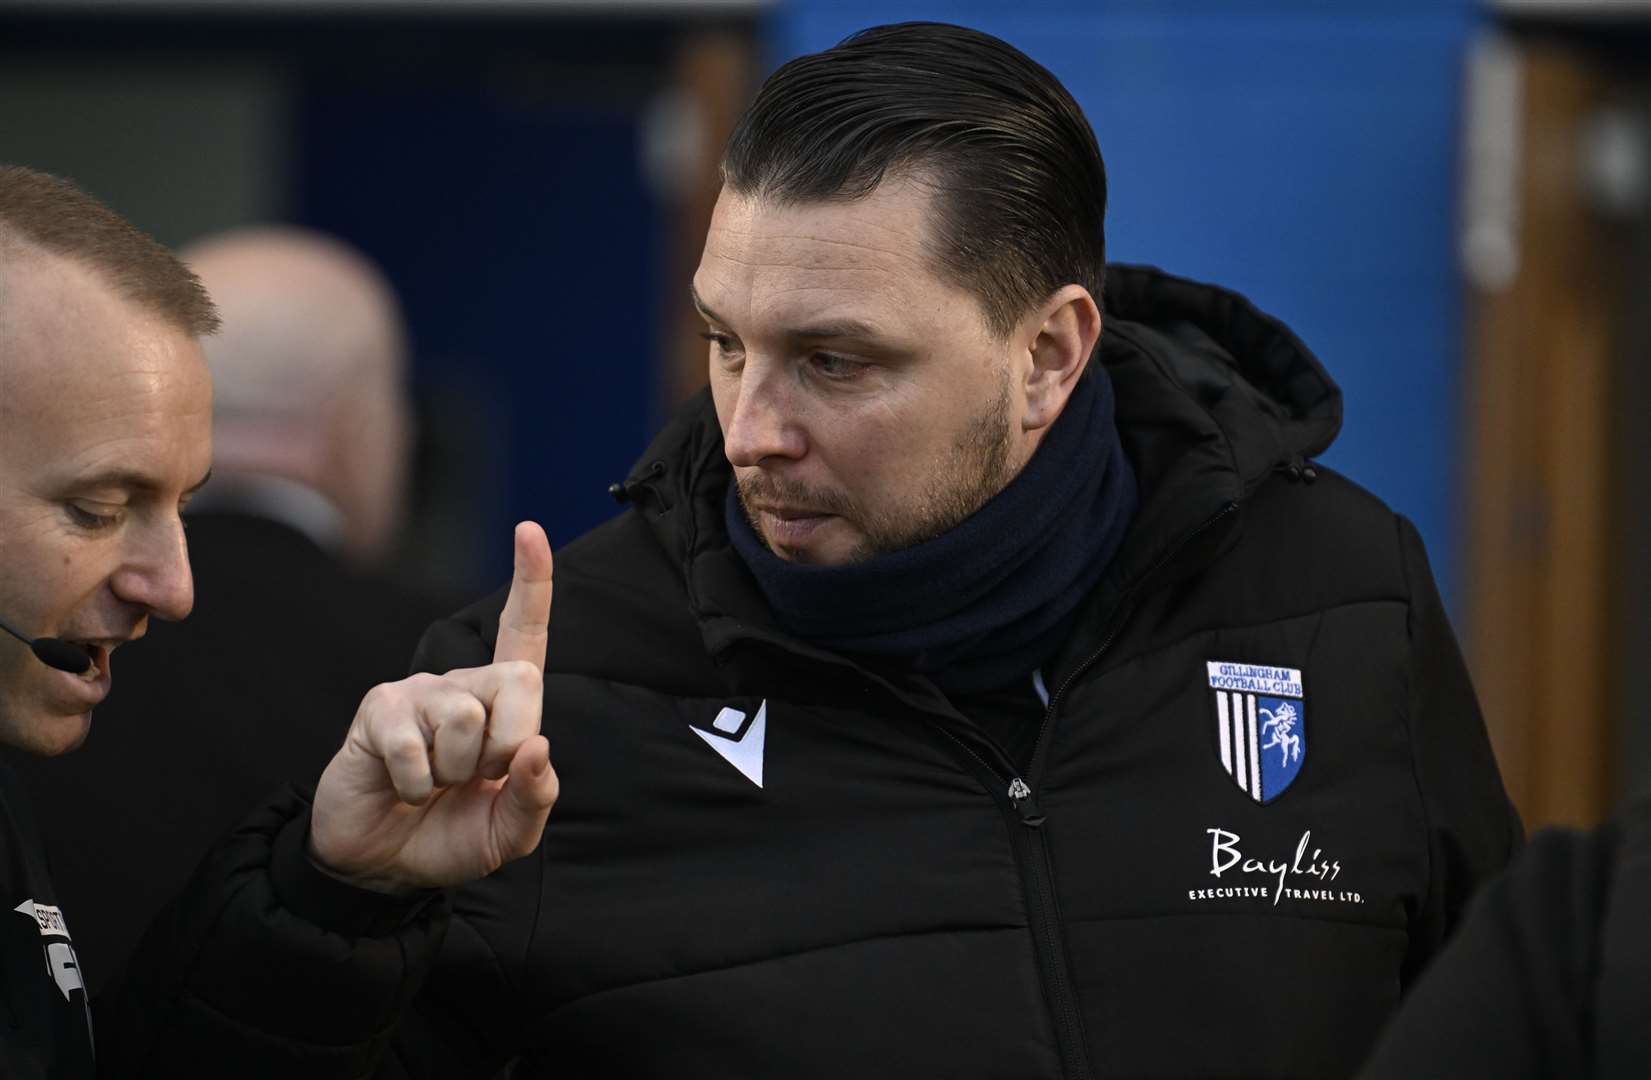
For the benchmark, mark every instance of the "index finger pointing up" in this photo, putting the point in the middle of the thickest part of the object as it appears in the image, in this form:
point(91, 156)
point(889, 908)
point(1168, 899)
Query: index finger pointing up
point(524, 623)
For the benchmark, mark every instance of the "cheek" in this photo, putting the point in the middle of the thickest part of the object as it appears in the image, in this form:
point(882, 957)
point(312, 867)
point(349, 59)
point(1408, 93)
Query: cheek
point(722, 398)
point(32, 565)
point(63, 577)
point(28, 575)
point(906, 425)
point(873, 448)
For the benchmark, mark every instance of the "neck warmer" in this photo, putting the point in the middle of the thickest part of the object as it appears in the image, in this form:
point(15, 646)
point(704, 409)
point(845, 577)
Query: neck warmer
point(991, 599)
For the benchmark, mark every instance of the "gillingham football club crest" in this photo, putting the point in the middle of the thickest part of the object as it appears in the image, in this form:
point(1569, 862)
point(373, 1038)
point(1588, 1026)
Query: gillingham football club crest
point(1261, 721)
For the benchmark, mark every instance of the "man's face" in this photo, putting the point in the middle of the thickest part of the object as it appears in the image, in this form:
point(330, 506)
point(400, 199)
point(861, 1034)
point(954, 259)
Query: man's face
point(105, 431)
point(865, 405)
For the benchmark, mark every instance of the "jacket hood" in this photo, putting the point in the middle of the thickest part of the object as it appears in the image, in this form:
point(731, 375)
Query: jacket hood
point(1265, 392)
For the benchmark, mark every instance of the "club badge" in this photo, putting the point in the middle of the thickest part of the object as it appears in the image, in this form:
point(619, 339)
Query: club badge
point(1261, 722)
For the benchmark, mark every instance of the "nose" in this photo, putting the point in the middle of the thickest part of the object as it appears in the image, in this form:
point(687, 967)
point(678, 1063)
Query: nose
point(156, 574)
point(764, 422)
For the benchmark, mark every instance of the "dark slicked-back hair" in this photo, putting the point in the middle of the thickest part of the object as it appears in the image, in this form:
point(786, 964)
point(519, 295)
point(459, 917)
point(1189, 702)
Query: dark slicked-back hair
point(54, 215)
point(1020, 190)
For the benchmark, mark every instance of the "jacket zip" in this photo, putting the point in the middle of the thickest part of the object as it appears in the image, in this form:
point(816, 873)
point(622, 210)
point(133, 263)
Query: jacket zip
point(1034, 848)
point(1063, 1002)
point(1032, 852)
point(1040, 871)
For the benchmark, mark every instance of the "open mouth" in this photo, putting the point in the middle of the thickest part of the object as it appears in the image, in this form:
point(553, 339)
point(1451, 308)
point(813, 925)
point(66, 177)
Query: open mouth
point(99, 655)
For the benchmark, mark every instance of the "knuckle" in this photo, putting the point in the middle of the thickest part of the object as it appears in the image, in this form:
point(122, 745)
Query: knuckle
point(405, 747)
point(465, 715)
point(423, 683)
point(378, 699)
point(523, 674)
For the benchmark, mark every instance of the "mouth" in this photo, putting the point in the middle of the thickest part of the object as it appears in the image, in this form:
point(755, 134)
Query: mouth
point(790, 527)
point(789, 513)
point(99, 650)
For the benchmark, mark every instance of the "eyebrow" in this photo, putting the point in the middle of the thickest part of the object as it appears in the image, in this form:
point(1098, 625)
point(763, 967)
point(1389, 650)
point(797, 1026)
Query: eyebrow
point(837, 328)
point(701, 307)
point(133, 480)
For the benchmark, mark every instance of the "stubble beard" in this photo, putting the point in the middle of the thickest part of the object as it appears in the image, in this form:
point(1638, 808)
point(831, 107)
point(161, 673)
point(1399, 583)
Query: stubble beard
point(972, 470)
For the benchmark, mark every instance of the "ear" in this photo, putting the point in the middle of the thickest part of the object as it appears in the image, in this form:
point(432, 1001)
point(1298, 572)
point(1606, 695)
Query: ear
point(1062, 334)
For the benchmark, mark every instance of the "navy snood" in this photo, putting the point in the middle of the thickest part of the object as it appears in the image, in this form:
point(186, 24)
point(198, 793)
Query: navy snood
point(992, 598)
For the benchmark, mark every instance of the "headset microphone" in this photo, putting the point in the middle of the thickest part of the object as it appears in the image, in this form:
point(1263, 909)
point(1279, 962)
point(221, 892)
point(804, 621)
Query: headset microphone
point(55, 652)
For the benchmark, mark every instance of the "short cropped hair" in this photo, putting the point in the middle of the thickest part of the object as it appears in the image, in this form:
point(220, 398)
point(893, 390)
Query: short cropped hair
point(1020, 188)
point(56, 216)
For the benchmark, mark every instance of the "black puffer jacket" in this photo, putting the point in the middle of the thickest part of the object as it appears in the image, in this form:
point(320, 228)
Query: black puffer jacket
point(884, 903)
point(768, 861)
point(45, 1024)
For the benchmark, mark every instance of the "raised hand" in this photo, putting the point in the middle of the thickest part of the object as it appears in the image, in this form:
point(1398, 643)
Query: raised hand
point(445, 778)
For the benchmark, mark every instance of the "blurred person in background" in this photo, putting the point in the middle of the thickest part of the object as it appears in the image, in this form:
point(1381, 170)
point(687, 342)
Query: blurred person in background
point(272, 959)
point(1549, 977)
point(292, 621)
point(312, 424)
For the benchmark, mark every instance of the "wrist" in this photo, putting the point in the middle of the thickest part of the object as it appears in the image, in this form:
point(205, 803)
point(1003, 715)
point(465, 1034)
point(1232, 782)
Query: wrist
point(317, 893)
point(384, 886)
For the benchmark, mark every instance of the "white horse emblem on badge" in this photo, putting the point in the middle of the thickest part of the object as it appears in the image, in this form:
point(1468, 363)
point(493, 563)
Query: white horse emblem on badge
point(1281, 722)
point(1255, 702)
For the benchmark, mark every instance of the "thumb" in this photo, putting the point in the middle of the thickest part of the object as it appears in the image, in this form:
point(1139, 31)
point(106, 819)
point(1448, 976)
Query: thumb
point(523, 803)
point(524, 622)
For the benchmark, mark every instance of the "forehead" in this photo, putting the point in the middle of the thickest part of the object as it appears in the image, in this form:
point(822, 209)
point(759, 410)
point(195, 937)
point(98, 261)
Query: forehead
point(768, 265)
point(90, 381)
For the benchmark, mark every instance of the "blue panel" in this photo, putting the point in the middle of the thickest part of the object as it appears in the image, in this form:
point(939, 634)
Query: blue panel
point(526, 273)
point(1303, 156)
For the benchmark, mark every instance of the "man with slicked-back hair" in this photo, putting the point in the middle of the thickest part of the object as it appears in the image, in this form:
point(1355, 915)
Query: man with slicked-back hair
point(982, 680)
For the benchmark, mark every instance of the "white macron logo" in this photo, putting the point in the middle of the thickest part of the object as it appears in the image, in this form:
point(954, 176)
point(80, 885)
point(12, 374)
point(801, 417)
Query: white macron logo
point(745, 752)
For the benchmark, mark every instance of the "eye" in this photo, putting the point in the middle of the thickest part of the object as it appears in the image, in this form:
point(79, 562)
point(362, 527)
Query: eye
point(836, 367)
point(90, 520)
point(723, 342)
point(725, 352)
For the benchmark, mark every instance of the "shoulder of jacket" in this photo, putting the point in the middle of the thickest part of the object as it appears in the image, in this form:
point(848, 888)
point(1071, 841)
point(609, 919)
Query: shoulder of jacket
point(1329, 523)
point(1329, 496)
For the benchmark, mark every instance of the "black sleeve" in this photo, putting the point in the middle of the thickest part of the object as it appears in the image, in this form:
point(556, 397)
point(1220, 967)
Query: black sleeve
point(1510, 997)
point(464, 1023)
point(1472, 827)
point(269, 967)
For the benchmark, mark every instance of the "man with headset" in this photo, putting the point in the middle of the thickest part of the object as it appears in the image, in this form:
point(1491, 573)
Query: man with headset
point(105, 406)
